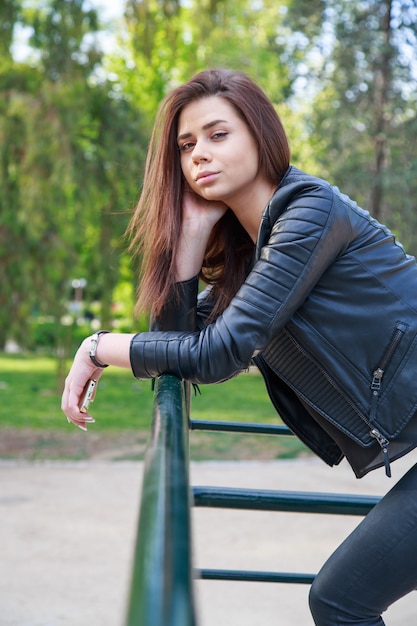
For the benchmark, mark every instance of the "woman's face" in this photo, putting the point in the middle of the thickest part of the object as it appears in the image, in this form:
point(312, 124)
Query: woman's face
point(219, 156)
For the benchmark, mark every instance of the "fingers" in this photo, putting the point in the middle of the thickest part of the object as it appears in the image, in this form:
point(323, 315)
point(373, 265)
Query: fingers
point(85, 418)
point(73, 394)
point(69, 405)
point(71, 397)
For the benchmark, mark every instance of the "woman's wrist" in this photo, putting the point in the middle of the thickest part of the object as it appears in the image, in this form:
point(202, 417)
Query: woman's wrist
point(94, 339)
point(190, 255)
point(114, 349)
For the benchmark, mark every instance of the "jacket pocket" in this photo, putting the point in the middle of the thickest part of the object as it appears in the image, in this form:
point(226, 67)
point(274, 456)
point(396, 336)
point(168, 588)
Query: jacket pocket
point(379, 371)
point(377, 376)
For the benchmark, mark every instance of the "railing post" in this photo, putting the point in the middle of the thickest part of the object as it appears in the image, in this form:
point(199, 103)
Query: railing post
point(161, 589)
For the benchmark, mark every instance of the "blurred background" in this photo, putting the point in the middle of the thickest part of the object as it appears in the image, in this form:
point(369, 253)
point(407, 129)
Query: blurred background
point(80, 82)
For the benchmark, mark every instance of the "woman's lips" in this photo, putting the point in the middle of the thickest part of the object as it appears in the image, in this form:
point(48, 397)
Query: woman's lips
point(206, 178)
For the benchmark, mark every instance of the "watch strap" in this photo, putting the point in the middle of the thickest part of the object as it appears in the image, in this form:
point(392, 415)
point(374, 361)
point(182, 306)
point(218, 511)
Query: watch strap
point(93, 347)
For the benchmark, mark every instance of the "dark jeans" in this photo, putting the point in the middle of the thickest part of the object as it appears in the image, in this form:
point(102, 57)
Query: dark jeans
point(375, 566)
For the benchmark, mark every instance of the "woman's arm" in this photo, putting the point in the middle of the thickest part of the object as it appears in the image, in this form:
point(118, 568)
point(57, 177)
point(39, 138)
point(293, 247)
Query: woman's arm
point(198, 218)
point(303, 242)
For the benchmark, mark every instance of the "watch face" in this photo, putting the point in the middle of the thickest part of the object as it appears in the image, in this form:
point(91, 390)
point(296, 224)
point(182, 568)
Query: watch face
point(93, 348)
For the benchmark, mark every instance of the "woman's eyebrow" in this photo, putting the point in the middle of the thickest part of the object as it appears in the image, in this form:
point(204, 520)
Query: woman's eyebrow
point(205, 127)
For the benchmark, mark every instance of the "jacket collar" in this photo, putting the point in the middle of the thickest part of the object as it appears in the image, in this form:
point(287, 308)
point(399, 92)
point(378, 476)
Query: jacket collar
point(292, 183)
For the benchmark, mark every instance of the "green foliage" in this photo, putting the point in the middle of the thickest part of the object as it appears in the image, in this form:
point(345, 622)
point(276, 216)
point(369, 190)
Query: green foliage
point(363, 108)
point(170, 41)
point(69, 161)
point(74, 125)
point(59, 30)
point(9, 13)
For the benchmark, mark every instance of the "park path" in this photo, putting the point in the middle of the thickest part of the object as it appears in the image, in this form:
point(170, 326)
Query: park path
point(67, 532)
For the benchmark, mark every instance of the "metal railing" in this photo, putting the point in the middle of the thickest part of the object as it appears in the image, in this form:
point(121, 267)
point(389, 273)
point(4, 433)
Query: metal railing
point(269, 500)
point(162, 589)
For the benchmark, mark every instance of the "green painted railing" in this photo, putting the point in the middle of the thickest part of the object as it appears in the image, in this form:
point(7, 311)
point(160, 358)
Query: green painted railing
point(269, 500)
point(161, 588)
point(162, 580)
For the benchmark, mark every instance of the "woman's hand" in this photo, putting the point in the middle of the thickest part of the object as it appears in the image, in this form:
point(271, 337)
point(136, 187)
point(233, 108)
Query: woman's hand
point(114, 349)
point(200, 214)
point(81, 372)
point(198, 219)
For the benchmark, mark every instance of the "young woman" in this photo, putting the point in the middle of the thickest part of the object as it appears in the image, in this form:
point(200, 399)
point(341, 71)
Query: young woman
point(302, 282)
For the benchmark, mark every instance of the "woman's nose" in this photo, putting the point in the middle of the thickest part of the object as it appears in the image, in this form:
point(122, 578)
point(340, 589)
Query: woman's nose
point(201, 152)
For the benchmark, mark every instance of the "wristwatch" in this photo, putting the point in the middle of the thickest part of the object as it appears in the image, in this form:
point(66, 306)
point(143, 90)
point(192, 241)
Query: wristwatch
point(93, 348)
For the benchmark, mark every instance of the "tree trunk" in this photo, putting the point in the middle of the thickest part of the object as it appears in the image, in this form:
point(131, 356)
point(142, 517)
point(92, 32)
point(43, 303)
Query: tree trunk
point(382, 88)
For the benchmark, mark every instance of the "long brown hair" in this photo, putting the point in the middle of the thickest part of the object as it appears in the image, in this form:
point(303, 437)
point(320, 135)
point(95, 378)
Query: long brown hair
point(155, 226)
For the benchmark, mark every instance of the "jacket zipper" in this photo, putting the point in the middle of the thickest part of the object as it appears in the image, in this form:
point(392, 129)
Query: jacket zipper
point(375, 387)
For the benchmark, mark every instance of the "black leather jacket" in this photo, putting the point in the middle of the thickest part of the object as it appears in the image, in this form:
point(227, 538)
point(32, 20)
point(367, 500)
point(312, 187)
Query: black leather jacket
point(330, 311)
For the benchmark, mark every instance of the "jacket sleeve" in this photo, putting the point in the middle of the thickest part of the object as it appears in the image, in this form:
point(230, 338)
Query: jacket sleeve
point(180, 311)
point(306, 238)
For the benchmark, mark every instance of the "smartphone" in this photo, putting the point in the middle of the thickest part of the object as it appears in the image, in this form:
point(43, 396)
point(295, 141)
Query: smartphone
point(88, 395)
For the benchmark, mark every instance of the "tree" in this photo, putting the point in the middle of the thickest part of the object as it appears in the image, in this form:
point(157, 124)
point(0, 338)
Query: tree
point(16, 81)
point(71, 154)
point(9, 14)
point(168, 41)
point(362, 62)
point(74, 124)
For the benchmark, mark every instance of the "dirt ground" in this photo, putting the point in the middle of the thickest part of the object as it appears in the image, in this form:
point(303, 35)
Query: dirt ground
point(26, 444)
point(68, 528)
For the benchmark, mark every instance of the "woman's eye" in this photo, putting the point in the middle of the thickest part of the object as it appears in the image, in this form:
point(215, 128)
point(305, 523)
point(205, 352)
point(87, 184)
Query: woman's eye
point(189, 145)
point(220, 134)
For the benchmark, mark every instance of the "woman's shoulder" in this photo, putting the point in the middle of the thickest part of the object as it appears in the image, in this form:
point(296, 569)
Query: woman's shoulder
point(296, 181)
point(297, 188)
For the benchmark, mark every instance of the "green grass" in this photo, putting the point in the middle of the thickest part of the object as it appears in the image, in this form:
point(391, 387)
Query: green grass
point(29, 396)
point(29, 399)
